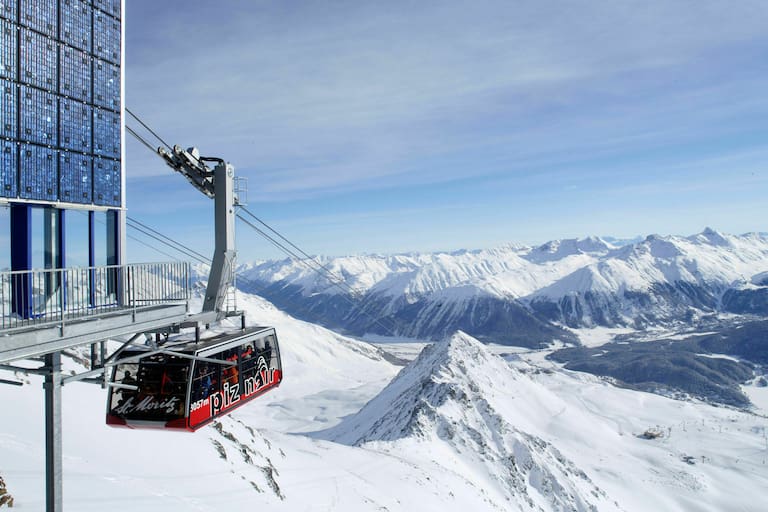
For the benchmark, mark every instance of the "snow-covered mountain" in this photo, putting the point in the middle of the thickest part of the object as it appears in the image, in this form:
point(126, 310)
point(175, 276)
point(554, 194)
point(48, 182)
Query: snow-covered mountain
point(518, 295)
point(456, 400)
point(459, 428)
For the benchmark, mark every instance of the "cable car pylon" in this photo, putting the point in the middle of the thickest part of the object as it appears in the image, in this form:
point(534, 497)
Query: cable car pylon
point(218, 184)
point(181, 381)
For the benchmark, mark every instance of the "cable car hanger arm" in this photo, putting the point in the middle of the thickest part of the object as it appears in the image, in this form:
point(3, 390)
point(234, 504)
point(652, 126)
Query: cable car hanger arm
point(216, 183)
point(189, 164)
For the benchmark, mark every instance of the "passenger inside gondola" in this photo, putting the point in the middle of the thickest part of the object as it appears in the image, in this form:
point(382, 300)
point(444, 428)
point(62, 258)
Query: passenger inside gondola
point(231, 373)
point(267, 352)
point(189, 390)
point(205, 381)
point(123, 394)
point(160, 393)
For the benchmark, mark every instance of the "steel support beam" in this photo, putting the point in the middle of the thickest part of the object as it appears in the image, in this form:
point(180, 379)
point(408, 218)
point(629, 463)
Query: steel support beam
point(53, 458)
point(46, 339)
point(114, 251)
point(223, 265)
point(92, 257)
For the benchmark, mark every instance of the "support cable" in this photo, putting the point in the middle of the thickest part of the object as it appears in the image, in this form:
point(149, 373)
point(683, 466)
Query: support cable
point(139, 240)
point(329, 274)
point(339, 284)
point(160, 239)
point(166, 237)
point(140, 138)
point(306, 260)
point(145, 244)
point(150, 130)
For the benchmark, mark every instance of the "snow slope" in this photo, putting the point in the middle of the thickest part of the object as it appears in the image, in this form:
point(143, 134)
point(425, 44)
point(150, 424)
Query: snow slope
point(445, 403)
point(458, 429)
point(555, 440)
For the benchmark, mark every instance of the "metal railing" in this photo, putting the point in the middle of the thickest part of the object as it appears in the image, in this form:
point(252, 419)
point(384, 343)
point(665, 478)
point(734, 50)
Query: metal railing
point(37, 297)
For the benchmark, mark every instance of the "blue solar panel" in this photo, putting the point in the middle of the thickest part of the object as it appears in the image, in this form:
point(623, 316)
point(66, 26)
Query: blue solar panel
point(38, 60)
point(76, 183)
point(40, 15)
point(106, 182)
point(9, 163)
point(60, 98)
point(75, 125)
point(9, 61)
point(75, 24)
point(110, 6)
point(75, 74)
point(38, 173)
point(9, 109)
point(106, 85)
point(39, 119)
point(106, 133)
point(8, 10)
point(106, 37)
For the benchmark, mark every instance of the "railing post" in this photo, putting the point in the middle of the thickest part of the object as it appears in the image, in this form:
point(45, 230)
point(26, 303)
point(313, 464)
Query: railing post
point(27, 297)
point(62, 300)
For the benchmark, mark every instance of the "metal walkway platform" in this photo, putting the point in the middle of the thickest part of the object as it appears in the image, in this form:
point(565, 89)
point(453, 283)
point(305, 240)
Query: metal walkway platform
point(51, 310)
point(40, 340)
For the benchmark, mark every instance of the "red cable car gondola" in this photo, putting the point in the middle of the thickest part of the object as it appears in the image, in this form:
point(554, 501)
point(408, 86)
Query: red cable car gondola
point(185, 387)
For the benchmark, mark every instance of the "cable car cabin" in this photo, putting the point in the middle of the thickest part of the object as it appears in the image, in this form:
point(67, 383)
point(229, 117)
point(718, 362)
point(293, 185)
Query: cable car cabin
point(188, 386)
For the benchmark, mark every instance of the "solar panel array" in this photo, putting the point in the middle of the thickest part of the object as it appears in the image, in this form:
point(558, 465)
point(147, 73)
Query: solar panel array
point(60, 121)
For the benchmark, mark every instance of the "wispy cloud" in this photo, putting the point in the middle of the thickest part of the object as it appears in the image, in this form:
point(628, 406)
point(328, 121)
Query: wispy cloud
point(315, 99)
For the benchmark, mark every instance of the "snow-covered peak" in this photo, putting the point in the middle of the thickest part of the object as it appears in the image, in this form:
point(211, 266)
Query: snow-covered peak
point(443, 371)
point(454, 399)
point(669, 273)
point(559, 249)
point(662, 247)
point(711, 237)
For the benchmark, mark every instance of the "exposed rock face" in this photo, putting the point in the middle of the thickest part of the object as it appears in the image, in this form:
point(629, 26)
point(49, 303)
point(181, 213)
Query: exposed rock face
point(5, 497)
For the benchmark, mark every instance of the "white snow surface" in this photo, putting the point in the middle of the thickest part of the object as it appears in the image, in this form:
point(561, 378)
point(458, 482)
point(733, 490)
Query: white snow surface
point(457, 429)
point(597, 336)
point(556, 269)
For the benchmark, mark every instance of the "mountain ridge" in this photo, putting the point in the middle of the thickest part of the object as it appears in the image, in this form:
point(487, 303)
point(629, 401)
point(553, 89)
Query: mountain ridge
point(451, 396)
point(657, 281)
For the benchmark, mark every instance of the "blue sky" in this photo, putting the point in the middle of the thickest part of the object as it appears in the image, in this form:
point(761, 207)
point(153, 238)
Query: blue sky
point(419, 125)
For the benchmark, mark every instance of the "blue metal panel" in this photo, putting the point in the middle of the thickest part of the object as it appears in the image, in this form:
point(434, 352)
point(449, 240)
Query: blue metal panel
point(9, 168)
point(21, 259)
point(38, 60)
point(39, 119)
point(106, 182)
point(106, 37)
point(75, 23)
point(41, 15)
point(106, 85)
point(75, 125)
point(38, 172)
point(8, 10)
point(106, 133)
point(75, 74)
point(76, 181)
point(9, 109)
point(9, 59)
point(110, 6)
